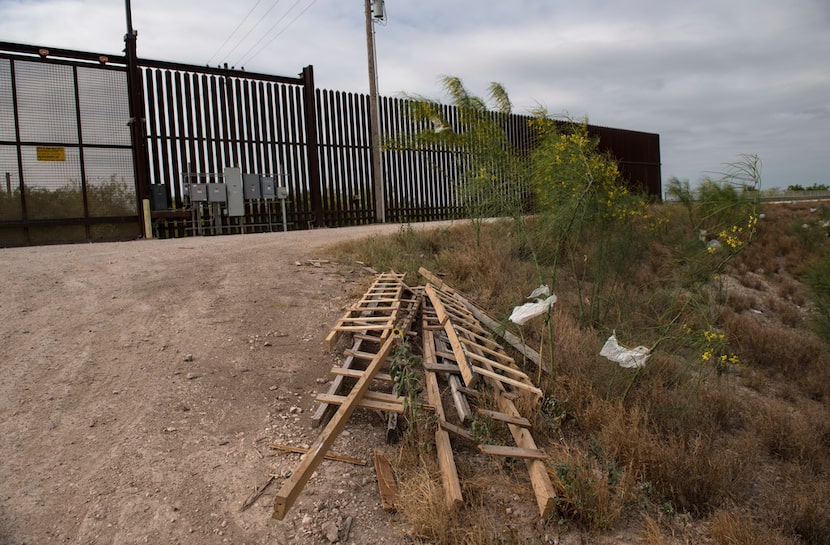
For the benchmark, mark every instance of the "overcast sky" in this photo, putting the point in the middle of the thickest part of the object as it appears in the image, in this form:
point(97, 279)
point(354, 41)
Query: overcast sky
point(715, 78)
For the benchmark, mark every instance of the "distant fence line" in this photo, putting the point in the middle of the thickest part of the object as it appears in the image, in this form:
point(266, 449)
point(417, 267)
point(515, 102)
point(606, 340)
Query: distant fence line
point(67, 136)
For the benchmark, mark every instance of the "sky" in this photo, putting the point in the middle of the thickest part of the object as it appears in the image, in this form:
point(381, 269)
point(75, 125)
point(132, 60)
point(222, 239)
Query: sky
point(714, 78)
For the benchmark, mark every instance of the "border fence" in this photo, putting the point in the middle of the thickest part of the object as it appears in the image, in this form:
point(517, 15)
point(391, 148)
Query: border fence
point(76, 165)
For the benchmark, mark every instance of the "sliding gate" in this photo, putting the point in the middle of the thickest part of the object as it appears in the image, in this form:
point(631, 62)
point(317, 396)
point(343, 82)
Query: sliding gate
point(66, 167)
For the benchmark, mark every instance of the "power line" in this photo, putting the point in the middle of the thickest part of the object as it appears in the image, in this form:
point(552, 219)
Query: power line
point(255, 26)
point(247, 57)
point(234, 31)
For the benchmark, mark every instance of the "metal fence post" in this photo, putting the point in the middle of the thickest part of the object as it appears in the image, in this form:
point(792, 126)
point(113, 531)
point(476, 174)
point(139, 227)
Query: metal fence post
point(135, 94)
point(312, 146)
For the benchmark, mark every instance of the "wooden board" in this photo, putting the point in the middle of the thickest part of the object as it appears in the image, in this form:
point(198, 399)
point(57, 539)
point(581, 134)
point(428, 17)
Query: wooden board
point(542, 486)
point(504, 417)
point(386, 482)
point(357, 373)
point(513, 452)
point(365, 403)
point(459, 399)
point(443, 446)
point(294, 485)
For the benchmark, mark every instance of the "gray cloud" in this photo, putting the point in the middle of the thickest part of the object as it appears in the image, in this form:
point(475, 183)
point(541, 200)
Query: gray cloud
point(714, 78)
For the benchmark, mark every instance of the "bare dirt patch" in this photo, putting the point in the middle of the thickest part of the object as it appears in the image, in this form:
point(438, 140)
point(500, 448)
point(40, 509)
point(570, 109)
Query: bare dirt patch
point(143, 382)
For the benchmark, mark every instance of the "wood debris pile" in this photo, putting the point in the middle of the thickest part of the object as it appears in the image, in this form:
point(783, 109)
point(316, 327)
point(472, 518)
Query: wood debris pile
point(461, 362)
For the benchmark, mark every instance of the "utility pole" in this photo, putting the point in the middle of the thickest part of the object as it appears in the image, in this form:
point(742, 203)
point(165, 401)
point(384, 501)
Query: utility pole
point(374, 111)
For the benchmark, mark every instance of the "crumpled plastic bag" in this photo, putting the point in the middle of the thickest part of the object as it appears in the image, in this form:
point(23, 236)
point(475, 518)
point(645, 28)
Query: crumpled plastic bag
point(626, 357)
point(543, 301)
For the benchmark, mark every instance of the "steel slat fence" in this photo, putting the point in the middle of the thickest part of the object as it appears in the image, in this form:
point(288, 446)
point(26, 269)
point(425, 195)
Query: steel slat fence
point(200, 120)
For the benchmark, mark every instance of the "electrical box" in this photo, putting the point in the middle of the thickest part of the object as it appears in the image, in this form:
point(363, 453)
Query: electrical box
point(198, 192)
point(251, 187)
point(217, 193)
point(268, 188)
point(158, 197)
point(236, 199)
point(282, 192)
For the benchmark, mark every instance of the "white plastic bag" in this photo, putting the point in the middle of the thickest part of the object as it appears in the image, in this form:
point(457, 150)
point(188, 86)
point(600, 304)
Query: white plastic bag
point(536, 308)
point(626, 357)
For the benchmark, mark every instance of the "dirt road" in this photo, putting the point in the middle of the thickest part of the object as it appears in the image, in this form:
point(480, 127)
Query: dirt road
point(143, 382)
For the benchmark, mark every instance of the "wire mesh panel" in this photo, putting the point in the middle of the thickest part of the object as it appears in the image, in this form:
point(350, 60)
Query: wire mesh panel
point(66, 164)
point(104, 109)
point(46, 102)
point(6, 102)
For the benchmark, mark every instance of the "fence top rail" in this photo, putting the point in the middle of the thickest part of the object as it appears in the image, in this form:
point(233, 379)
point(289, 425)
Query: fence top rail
point(38, 51)
point(229, 72)
point(56, 53)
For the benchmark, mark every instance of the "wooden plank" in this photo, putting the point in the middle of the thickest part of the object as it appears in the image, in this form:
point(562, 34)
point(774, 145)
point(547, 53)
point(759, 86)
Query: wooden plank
point(329, 456)
point(511, 369)
point(504, 417)
point(357, 373)
point(440, 311)
point(456, 430)
point(498, 354)
point(481, 337)
point(542, 486)
point(507, 380)
point(467, 372)
point(469, 392)
point(357, 354)
point(502, 332)
point(462, 407)
point(360, 320)
point(359, 326)
point(513, 452)
point(386, 482)
point(441, 367)
point(365, 403)
point(325, 410)
point(539, 478)
point(294, 485)
point(449, 472)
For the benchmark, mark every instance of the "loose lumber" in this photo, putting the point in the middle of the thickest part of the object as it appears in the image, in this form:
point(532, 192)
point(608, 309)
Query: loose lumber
point(386, 482)
point(384, 296)
point(446, 463)
point(376, 311)
point(441, 367)
point(464, 366)
point(329, 456)
point(457, 430)
point(462, 406)
point(505, 388)
point(324, 410)
point(357, 373)
point(501, 331)
point(292, 487)
point(539, 478)
point(513, 452)
point(503, 417)
point(365, 403)
point(473, 351)
point(494, 326)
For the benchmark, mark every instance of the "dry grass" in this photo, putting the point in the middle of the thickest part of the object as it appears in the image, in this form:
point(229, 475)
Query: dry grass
point(743, 450)
point(736, 526)
point(590, 491)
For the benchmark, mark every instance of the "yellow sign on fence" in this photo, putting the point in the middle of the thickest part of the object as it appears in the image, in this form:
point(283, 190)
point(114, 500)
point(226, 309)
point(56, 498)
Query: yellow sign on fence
point(51, 154)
